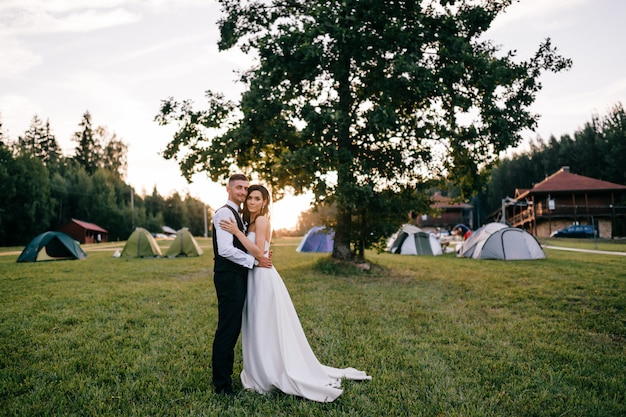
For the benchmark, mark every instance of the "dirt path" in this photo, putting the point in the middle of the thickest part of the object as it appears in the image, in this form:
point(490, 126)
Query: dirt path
point(601, 252)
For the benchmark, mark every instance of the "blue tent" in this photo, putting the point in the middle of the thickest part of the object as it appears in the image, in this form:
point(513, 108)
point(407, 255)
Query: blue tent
point(317, 239)
point(51, 246)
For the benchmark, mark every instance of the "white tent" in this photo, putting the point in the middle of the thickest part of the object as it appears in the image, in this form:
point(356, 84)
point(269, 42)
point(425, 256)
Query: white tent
point(169, 231)
point(499, 241)
point(411, 240)
point(317, 239)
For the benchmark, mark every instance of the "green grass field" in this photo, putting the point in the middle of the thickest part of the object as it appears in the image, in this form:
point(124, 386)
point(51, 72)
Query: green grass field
point(441, 336)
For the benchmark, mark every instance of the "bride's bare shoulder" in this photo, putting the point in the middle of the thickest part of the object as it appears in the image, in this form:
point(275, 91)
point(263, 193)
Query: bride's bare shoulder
point(262, 220)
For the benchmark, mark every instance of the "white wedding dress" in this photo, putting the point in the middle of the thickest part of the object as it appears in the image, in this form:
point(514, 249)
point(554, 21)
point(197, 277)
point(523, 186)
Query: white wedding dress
point(276, 353)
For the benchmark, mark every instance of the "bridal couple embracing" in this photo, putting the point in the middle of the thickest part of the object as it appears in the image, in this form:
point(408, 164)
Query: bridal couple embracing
point(253, 300)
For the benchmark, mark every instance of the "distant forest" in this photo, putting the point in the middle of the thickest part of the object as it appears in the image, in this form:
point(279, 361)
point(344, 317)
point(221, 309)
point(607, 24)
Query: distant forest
point(42, 189)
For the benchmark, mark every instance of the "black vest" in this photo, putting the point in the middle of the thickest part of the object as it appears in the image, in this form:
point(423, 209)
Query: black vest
point(222, 264)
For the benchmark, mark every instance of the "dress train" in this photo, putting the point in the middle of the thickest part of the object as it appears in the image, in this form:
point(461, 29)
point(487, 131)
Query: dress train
point(276, 352)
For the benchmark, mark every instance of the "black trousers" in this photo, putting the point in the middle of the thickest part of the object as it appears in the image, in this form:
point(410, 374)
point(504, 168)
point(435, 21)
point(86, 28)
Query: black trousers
point(231, 288)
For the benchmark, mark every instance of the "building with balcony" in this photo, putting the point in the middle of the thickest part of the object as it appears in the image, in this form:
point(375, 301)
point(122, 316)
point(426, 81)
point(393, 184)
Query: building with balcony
point(563, 199)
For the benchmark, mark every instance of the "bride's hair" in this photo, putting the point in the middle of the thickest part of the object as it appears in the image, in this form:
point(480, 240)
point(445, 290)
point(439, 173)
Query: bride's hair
point(265, 210)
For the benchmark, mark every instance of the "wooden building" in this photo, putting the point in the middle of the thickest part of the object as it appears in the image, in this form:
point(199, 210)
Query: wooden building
point(85, 232)
point(563, 199)
point(448, 213)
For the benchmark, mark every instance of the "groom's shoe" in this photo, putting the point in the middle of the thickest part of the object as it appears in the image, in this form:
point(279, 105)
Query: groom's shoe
point(225, 391)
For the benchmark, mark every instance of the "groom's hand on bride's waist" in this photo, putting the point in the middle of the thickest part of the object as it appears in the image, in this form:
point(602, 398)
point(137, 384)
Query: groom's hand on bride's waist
point(264, 262)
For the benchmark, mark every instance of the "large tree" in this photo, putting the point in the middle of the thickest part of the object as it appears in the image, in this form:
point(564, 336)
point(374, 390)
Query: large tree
point(360, 101)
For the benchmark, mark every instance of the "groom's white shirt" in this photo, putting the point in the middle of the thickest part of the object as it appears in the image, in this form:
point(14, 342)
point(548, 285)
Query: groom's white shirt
point(225, 247)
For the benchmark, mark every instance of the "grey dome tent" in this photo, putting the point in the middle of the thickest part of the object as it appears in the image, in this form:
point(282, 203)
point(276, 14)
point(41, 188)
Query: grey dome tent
point(317, 239)
point(477, 239)
point(51, 246)
point(411, 240)
point(499, 241)
point(184, 245)
point(141, 244)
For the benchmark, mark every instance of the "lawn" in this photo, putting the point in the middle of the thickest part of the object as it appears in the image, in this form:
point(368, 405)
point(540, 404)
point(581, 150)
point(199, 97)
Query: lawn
point(441, 336)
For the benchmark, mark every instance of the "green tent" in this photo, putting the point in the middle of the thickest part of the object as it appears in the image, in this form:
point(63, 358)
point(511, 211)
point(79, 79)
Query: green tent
point(184, 245)
point(51, 246)
point(140, 244)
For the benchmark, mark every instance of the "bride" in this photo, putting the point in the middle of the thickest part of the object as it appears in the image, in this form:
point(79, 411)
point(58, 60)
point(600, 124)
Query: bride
point(276, 353)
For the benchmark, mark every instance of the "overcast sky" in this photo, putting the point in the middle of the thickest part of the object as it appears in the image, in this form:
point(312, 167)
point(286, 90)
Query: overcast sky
point(118, 59)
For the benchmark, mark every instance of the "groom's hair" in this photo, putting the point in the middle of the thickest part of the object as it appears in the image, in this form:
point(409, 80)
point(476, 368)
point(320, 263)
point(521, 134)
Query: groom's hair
point(237, 177)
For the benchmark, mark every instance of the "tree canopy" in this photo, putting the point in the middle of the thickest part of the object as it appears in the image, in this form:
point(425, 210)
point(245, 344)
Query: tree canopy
point(362, 102)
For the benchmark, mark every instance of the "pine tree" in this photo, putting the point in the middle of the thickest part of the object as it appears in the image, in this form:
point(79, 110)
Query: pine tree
point(49, 147)
point(88, 148)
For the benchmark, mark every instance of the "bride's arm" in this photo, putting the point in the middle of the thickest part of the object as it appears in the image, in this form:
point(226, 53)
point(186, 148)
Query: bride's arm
point(253, 249)
point(262, 224)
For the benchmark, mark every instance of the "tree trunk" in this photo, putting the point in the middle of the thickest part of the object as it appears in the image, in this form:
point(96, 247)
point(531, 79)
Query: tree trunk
point(341, 246)
point(345, 176)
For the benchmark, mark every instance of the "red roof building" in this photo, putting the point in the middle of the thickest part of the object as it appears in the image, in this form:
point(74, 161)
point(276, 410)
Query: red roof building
point(85, 232)
point(448, 213)
point(563, 199)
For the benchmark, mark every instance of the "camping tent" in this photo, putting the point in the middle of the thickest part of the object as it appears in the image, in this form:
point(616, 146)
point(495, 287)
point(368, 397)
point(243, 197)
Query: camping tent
point(51, 246)
point(184, 245)
point(498, 241)
point(411, 240)
point(140, 244)
point(317, 239)
point(477, 239)
point(169, 231)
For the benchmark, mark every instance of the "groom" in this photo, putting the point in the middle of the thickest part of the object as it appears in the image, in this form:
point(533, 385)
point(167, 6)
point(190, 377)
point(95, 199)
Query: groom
point(230, 275)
